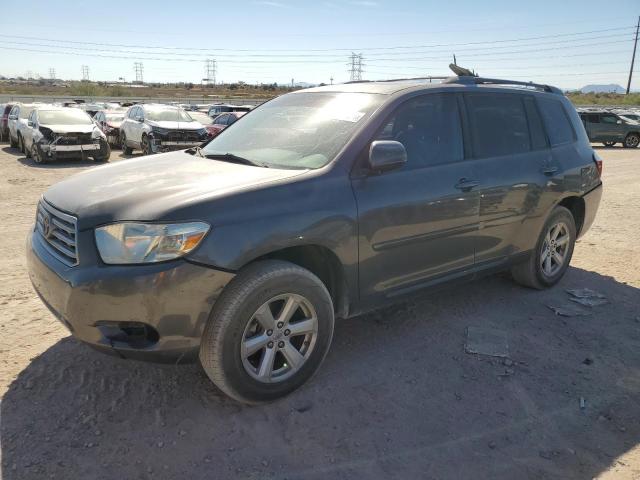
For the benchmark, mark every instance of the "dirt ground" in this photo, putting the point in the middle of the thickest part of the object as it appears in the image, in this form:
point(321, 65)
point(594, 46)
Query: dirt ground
point(397, 398)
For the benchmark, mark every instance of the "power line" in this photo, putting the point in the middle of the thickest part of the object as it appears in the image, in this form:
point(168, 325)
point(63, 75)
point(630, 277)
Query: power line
point(488, 42)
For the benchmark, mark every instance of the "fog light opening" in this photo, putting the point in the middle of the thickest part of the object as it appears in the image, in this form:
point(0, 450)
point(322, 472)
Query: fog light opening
point(131, 334)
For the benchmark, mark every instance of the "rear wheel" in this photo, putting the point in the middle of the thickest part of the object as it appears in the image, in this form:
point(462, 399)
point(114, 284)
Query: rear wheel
point(550, 259)
point(268, 332)
point(123, 145)
point(632, 140)
point(608, 144)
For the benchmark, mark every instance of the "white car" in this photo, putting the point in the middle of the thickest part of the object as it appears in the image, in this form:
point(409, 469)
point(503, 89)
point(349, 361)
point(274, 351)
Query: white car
point(17, 123)
point(60, 132)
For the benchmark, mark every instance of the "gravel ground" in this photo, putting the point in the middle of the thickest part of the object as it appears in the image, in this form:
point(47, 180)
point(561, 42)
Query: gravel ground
point(397, 397)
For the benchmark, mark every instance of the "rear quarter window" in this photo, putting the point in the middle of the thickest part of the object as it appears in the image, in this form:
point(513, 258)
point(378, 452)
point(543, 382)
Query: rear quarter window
point(556, 121)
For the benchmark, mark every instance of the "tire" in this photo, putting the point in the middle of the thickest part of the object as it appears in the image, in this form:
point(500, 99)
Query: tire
point(608, 144)
point(146, 146)
point(632, 140)
point(21, 144)
point(12, 143)
point(105, 153)
point(222, 350)
point(123, 145)
point(37, 156)
point(531, 273)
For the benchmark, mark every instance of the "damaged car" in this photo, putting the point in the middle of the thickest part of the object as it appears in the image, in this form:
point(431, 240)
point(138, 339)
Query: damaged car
point(155, 128)
point(56, 133)
point(109, 122)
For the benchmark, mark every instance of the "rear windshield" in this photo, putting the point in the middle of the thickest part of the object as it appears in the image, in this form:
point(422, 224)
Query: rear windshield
point(168, 115)
point(71, 116)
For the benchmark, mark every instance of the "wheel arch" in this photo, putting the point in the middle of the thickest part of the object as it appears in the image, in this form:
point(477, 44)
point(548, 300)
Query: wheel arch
point(575, 204)
point(322, 262)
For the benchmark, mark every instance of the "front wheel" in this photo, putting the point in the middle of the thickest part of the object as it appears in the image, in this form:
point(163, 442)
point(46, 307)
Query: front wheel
point(146, 145)
point(104, 154)
point(12, 143)
point(632, 140)
point(550, 259)
point(36, 155)
point(268, 332)
point(123, 145)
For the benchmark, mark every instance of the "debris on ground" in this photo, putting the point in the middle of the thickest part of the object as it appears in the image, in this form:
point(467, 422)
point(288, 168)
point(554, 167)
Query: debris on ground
point(487, 341)
point(568, 310)
point(587, 361)
point(587, 297)
point(583, 403)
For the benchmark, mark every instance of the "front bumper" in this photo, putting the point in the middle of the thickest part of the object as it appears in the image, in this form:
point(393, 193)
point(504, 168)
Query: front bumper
point(99, 304)
point(54, 151)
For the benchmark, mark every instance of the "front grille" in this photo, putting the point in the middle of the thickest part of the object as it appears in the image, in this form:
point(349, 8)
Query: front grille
point(183, 135)
point(59, 232)
point(74, 139)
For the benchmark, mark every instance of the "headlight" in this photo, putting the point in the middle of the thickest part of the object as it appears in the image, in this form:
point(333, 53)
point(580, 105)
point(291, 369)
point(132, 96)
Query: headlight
point(160, 130)
point(97, 133)
point(130, 242)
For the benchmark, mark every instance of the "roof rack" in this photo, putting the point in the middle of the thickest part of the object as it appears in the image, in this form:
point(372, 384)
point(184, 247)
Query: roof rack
point(397, 80)
point(470, 80)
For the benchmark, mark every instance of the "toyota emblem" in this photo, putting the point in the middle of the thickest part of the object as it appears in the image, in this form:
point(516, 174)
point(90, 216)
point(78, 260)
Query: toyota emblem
point(46, 226)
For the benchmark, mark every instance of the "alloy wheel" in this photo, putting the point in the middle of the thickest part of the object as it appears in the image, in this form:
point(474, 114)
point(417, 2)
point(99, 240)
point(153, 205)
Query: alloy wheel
point(35, 154)
point(554, 250)
point(632, 140)
point(279, 338)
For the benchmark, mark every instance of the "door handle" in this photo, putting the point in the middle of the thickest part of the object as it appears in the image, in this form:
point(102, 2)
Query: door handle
point(549, 170)
point(466, 185)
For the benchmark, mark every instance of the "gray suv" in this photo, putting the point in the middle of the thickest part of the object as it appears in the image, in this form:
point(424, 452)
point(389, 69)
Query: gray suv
point(320, 204)
point(610, 128)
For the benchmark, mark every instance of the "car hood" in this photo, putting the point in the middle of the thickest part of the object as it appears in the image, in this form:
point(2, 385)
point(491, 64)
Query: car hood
point(69, 128)
point(176, 125)
point(154, 187)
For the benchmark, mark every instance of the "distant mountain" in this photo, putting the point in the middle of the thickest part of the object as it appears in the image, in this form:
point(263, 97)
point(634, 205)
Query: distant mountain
point(611, 88)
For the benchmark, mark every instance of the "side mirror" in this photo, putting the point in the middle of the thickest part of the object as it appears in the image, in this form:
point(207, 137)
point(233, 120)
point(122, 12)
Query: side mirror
point(619, 122)
point(139, 119)
point(385, 155)
point(30, 123)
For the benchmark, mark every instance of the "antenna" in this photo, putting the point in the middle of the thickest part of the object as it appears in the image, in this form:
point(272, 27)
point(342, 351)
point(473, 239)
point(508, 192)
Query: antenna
point(137, 66)
point(85, 73)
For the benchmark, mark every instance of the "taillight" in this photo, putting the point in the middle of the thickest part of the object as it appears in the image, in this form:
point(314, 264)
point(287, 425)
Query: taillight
point(598, 162)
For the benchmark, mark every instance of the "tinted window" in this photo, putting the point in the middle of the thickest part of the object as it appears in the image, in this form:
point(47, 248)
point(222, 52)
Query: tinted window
point(609, 119)
point(429, 128)
point(221, 120)
point(593, 118)
point(498, 124)
point(556, 120)
point(538, 138)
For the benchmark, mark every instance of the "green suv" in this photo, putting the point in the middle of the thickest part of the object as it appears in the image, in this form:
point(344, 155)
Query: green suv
point(609, 128)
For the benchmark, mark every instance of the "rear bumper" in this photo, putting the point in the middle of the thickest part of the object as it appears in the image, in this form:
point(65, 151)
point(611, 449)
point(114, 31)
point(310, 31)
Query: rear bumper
point(591, 203)
point(152, 312)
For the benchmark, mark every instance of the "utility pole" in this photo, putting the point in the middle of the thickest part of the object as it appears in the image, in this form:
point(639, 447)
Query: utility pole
point(85, 73)
point(633, 57)
point(52, 73)
point(210, 71)
point(331, 79)
point(137, 66)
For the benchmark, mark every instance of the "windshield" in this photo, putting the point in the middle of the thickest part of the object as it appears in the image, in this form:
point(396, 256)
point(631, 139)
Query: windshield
point(71, 116)
point(299, 130)
point(114, 117)
point(168, 115)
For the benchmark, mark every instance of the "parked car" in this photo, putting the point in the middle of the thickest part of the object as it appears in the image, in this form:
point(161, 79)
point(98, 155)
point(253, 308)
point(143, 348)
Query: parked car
point(222, 121)
point(206, 121)
point(18, 123)
point(609, 128)
point(5, 109)
point(155, 128)
point(109, 122)
point(322, 203)
point(630, 117)
point(216, 110)
point(55, 133)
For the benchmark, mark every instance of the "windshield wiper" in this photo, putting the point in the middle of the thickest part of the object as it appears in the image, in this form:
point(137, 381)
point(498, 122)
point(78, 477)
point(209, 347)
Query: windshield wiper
point(195, 151)
point(231, 158)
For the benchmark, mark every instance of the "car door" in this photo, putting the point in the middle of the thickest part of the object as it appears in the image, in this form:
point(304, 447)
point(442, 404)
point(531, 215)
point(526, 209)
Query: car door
point(417, 223)
point(13, 121)
point(612, 127)
point(29, 130)
point(137, 125)
point(511, 157)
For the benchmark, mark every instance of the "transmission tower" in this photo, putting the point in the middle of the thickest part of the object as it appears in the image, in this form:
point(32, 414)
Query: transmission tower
point(210, 70)
point(355, 67)
point(139, 69)
point(52, 73)
point(85, 72)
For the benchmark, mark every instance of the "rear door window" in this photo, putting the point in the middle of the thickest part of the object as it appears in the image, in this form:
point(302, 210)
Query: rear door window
point(556, 121)
point(429, 128)
point(498, 124)
point(536, 129)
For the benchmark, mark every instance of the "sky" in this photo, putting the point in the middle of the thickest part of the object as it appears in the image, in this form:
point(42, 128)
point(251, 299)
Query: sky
point(568, 43)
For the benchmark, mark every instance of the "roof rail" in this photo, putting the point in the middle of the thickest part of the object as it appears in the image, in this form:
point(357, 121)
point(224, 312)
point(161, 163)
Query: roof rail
point(397, 80)
point(465, 80)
